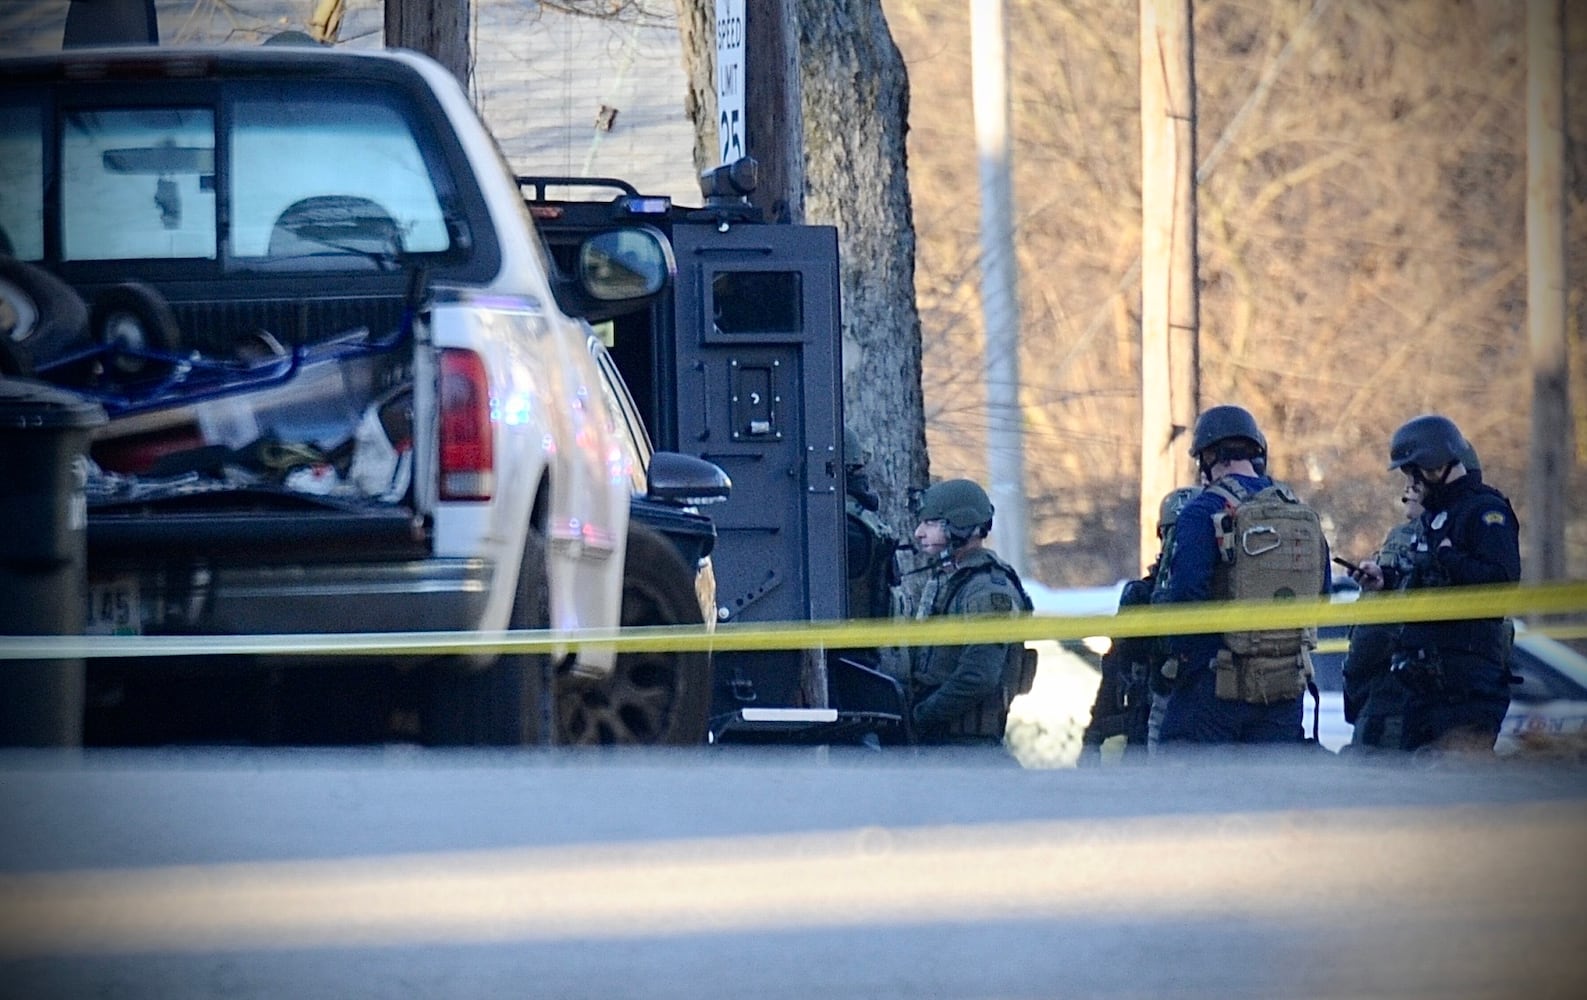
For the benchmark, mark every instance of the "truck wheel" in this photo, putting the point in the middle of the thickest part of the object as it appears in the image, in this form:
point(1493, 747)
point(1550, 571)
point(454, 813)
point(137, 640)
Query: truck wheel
point(500, 704)
point(136, 317)
point(652, 698)
point(41, 317)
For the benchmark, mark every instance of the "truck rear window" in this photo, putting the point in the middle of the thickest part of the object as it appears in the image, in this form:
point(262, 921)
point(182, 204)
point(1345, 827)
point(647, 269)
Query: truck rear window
point(21, 181)
point(313, 178)
point(138, 184)
point(274, 176)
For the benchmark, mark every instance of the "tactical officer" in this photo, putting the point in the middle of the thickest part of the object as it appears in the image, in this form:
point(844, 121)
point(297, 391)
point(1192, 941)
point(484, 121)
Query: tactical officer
point(1231, 452)
point(872, 569)
point(873, 576)
point(960, 695)
point(1132, 694)
point(1375, 701)
point(1454, 673)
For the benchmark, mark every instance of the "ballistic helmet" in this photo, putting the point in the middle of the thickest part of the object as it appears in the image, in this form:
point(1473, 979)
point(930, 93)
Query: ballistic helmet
point(1224, 423)
point(1468, 458)
point(1427, 442)
point(853, 453)
point(960, 502)
point(1174, 502)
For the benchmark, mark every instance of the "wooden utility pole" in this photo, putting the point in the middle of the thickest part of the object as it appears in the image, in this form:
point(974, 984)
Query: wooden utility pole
point(1545, 291)
point(1005, 436)
point(1170, 307)
point(438, 28)
point(774, 119)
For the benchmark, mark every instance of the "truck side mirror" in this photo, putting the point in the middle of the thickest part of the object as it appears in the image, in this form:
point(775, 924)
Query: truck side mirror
point(685, 479)
point(623, 264)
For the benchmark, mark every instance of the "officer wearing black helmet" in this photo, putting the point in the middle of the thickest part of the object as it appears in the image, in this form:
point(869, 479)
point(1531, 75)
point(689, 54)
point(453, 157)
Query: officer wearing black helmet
point(1231, 452)
point(1131, 694)
point(1454, 673)
point(960, 695)
point(1374, 699)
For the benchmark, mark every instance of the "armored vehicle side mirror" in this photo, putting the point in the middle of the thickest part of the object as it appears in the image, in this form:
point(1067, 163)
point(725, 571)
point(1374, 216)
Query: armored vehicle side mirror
point(624, 264)
point(685, 479)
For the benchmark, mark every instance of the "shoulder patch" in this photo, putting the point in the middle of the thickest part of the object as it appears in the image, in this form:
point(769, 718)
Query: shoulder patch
point(1494, 517)
point(1000, 601)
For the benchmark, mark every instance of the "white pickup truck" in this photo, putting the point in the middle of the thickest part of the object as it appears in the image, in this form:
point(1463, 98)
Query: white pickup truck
point(343, 398)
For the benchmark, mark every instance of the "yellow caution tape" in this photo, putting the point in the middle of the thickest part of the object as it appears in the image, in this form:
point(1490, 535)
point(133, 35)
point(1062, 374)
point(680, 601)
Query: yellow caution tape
point(1179, 619)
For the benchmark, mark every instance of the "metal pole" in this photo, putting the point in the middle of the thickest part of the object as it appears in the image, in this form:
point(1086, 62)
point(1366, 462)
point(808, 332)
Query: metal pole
point(999, 298)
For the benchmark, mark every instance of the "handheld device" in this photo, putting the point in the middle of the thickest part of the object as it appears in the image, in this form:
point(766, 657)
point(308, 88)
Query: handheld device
point(1347, 564)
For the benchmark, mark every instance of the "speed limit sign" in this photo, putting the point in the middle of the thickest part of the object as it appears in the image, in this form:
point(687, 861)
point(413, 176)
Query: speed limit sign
point(730, 79)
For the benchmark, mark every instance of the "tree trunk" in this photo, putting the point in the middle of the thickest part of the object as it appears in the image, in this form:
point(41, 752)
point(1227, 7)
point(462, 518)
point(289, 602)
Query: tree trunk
point(855, 106)
point(438, 28)
point(697, 32)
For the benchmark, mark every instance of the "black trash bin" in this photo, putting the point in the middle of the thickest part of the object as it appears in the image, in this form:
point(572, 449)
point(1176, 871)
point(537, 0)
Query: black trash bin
point(44, 435)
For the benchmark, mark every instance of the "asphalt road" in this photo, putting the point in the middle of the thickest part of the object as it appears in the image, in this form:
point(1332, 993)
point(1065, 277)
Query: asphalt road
point(387, 872)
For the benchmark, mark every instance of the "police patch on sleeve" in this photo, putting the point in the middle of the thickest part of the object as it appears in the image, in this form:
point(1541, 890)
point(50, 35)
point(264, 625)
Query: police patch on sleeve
point(1493, 517)
point(1001, 602)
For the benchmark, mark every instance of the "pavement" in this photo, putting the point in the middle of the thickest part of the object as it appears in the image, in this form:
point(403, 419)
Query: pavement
point(404, 872)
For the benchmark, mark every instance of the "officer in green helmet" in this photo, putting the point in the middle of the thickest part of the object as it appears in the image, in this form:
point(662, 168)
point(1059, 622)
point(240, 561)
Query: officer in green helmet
point(960, 695)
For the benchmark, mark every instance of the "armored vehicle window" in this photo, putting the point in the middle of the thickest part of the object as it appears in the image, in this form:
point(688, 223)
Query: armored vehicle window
point(138, 184)
point(21, 181)
point(751, 302)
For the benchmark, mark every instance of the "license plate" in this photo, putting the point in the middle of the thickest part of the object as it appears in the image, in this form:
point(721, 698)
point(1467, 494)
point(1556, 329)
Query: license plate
point(113, 607)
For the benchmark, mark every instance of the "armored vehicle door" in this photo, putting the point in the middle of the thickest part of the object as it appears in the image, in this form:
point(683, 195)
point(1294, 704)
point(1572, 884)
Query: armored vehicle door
point(759, 393)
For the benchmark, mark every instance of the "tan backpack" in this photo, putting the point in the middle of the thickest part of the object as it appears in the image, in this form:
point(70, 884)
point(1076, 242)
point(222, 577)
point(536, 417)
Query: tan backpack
point(1271, 547)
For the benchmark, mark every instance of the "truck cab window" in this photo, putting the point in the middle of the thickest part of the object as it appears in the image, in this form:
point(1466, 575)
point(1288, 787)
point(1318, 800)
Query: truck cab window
point(337, 183)
point(138, 184)
point(21, 181)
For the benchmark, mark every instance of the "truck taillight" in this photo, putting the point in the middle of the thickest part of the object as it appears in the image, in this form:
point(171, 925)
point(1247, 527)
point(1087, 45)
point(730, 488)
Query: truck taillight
point(468, 463)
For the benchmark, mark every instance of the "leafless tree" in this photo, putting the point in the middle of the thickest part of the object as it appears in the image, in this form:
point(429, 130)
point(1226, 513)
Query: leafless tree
point(1361, 242)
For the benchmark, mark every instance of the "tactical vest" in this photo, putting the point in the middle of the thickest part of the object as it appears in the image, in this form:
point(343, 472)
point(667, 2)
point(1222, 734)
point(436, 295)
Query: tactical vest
point(1270, 546)
point(1019, 668)
point(1488, 638)
point(1399, 546)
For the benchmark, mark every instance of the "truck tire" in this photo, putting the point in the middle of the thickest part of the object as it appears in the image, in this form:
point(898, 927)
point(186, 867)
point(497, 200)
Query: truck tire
point(135, 316)
point(652, 698)
point(498, 705)
point(41, 318)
